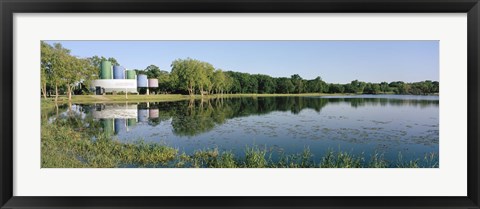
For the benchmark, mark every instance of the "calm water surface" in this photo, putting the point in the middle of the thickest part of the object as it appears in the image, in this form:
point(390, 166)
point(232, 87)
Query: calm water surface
point(386, 124)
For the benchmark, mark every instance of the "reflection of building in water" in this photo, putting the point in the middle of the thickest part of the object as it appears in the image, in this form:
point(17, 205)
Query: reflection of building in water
point(108, 126)
point(118, 118)
point(153, 113)
point(131, 121)
point(115, 118)
point(115, 111)
point(142, 115)
point(120, 125)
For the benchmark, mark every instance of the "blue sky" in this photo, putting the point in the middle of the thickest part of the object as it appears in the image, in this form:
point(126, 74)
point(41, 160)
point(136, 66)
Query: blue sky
point(334, 61)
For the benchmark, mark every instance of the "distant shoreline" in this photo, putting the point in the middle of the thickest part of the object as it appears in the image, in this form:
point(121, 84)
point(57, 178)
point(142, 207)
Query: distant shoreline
point(178, 97)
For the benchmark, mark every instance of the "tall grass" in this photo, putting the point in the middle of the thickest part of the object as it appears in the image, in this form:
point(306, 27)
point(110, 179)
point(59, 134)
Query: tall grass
point(63, 147)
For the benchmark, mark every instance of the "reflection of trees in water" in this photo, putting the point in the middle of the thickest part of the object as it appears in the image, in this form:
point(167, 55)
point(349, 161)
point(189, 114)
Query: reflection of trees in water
point(194, 117)
point(361, 102)
point(77, 118)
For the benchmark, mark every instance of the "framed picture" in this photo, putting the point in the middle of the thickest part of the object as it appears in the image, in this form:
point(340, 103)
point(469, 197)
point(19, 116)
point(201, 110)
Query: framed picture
point(236, 104)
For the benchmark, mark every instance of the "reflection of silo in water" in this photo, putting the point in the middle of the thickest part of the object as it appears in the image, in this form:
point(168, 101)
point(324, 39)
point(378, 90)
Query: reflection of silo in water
point(120, 125)
point(107, 125)
point(153, 113)
point(131, 122)
point(142, 115)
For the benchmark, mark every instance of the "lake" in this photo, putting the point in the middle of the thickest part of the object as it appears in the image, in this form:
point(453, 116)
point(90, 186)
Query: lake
point(396, 126)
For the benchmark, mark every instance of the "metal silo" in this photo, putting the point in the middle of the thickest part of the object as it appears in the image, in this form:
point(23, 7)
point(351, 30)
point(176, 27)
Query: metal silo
point(106, 70)
point(142, 81)
point(131, 74)
point(152, 83)
point(118, 72)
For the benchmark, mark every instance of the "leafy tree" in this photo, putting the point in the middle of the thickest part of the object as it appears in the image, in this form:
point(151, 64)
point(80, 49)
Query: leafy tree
point(316, 85)
point(227, 85)
point(335, 88)
point(285, 86)
point(348, 88)
point(266, 84)
point(113, 61)
point(205, 75)
point(96, 61)
point(248, 83)
point(218, 80)
point(45, 66)
point(59, 62)
point(165, 83)
point(358, 86)
point(74, 72)
point(152, 71)
point(297, 81)
point(60, 69)
point(384, 87)
point(187, 74)
point(371, 88)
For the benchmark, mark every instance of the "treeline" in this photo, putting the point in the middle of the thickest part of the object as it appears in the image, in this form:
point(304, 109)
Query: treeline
point(62, 72)
point(197, 77)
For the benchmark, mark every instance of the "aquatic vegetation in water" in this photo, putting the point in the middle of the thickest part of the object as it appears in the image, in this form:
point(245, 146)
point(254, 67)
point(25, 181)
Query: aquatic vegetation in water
point(63, 147)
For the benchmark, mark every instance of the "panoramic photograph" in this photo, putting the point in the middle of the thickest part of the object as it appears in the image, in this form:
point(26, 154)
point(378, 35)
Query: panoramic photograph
point(239, 104)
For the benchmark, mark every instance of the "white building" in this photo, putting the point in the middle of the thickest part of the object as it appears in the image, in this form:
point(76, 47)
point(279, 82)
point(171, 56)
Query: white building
point(116, 85)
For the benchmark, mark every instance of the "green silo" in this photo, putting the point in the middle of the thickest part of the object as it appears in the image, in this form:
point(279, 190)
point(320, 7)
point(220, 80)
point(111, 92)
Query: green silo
point(106, 70)
point(131, 74)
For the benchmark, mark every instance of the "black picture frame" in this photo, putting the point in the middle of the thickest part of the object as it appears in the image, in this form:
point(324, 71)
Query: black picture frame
point(10, 7)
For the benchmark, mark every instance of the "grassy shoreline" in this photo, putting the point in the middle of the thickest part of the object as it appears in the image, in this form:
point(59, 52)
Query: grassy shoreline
point(168, 97)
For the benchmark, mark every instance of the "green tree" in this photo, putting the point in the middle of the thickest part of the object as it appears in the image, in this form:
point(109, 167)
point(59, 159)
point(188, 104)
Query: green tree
point(152, 71)
point(218, 81)
point(227, 85)
point(266, 84)
point(45, 66)
point(335, 88)
point(285, 86)
point(59, 62)
point(165, 81)
point(358, 86)
point(186, 74)
point(248, 83)
point(316, 85)
point(96, 61)
point(75, 70)
point(297, 81)
point(371, 88)
point(384, 87)
point(205, 75)
point(113, 61)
